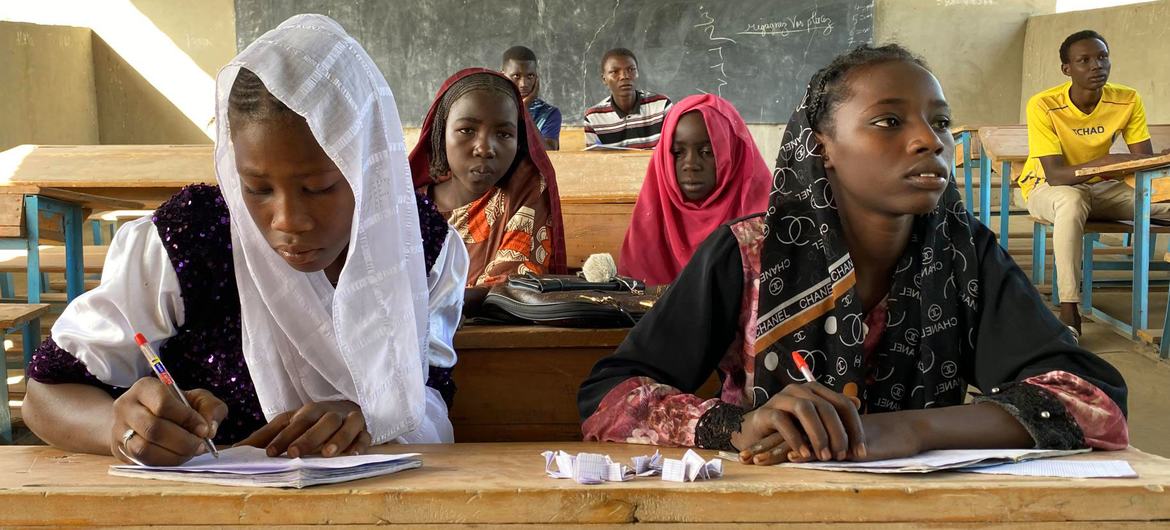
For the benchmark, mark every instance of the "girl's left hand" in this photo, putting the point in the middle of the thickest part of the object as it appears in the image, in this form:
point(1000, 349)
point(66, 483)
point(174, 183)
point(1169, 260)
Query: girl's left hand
point(328, 428)
point(887, 435)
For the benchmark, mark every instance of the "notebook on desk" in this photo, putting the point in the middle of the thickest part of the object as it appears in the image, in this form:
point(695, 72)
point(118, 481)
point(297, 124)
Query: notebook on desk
point(251, 466)
point(941, 460)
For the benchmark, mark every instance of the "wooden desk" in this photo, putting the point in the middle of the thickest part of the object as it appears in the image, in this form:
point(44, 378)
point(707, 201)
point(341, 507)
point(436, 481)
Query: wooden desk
point(1007, 146)
point(967, 142)
point(1144, 171)
point(13, 315)
point(519, 383)
point(598, 189)
point(505, 484)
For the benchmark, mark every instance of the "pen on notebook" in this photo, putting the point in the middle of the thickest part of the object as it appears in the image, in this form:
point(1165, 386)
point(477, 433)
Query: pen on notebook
point(165, 376)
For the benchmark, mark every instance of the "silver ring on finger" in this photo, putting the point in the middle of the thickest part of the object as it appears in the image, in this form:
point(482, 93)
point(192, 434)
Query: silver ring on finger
point(126, 436)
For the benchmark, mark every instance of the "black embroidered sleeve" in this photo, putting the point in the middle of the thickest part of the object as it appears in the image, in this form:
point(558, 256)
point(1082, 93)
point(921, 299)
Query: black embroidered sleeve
point(1041, 414)
point(714, 428)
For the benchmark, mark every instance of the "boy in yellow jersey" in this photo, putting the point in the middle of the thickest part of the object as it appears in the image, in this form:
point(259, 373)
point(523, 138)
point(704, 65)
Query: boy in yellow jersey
point(1071, 126)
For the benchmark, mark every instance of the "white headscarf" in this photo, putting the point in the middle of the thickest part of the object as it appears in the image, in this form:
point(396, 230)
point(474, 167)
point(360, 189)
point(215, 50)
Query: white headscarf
point(303, 340)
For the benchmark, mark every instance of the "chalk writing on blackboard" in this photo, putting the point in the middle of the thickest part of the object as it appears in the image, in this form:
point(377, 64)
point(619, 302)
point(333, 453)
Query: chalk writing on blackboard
point(815, 23)
point(708, 27)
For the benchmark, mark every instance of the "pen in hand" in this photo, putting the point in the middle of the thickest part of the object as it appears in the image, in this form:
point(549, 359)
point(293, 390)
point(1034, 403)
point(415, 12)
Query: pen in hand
point(165, 376)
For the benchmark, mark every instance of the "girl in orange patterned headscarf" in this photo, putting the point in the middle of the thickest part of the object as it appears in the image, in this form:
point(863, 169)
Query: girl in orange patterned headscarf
point(481, 160)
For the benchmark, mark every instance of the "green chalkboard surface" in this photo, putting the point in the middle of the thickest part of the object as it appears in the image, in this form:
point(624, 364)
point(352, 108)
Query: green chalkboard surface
point(757, 53)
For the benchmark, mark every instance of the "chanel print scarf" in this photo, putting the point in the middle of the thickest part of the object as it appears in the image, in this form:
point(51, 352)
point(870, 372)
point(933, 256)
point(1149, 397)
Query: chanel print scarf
point(808, 301)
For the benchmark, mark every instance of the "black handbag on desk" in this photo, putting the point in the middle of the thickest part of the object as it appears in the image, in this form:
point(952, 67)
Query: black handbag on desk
point(568, 301)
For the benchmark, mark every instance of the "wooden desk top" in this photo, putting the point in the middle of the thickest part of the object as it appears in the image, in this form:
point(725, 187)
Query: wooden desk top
point(1126, 168)
point(107, 166)
point(1005, 143)
point(516, 337)
point(963, 128)
point(175, 166)
point(12, 315)
point(464, 484)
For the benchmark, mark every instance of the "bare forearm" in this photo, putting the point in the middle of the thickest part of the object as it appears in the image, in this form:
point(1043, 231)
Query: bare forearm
point(70, 416)
point(976, 426)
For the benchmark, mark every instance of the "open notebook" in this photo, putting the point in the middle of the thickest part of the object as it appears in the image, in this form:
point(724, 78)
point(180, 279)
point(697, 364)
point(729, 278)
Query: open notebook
point(250, 466)
point(940, 460)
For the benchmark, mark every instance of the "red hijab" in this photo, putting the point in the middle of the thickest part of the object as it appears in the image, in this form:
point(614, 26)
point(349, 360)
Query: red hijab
point(665, 229)
point(524, 180)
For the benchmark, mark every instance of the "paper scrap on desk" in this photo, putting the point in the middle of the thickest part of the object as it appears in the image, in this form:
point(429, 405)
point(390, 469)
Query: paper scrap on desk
point(1061, 468)
point(593, 468)
point(939, 460)
point(691, 467)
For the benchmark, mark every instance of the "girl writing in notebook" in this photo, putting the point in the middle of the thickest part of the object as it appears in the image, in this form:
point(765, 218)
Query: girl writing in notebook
point(482, 162)
point(705, 171)
point(307, 303)
point(868, 267)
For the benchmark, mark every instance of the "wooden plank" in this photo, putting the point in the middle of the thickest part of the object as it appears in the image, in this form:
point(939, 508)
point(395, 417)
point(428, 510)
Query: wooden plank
point(90, 201)
point(594, 228)
point(1109, 227)
point(539, 368)
point(1007, 142)
point(66, 166)
point(528, 337)
point(12, 315)
point(572, 139)
point(469, 484)
point(609, 174)
point(11, 215)
point(53, 259)
point(1121, 169)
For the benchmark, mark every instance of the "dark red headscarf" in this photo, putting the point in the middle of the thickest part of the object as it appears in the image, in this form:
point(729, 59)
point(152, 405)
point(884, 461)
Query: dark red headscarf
point(524, 180)
point(666, 229)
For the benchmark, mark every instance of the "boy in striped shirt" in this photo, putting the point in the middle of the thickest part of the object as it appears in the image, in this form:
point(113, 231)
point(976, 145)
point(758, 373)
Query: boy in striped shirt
point(629, 118)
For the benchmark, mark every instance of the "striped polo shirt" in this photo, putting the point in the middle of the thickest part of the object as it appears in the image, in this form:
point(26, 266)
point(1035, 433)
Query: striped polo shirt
point(606, 125)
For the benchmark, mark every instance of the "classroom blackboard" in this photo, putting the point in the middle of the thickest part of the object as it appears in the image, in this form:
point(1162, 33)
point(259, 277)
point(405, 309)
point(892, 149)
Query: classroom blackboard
point(759, 54)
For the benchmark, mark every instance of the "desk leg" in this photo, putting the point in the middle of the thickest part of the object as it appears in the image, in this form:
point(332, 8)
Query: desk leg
point(32, 328)
point(1141, 251)
point(74, 266)
point(1005, 191)
point(6, 287)
point(1089, 243)
point(1005, 202)
point(95, 226)
point(1039, 242)
point(985, 191)
point(968, 185)
point(985, 198)
point(5, 410)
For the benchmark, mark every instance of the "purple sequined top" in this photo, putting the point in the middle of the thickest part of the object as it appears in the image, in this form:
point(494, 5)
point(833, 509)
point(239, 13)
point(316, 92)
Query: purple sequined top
point(206, 351)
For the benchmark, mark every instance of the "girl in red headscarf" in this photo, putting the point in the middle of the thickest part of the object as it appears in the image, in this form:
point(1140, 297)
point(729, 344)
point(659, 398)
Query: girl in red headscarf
point(481, 160)
point(705, 171)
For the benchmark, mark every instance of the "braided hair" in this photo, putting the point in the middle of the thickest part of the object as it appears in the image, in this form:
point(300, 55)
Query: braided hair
point(829, 88)
point(249, 101)
point(481, 81)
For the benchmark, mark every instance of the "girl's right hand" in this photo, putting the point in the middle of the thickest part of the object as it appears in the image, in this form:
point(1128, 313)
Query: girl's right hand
point(803, 422)
point(165, 432)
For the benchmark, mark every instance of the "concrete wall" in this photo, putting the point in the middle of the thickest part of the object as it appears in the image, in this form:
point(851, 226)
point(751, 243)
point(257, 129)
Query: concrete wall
point(134, 111)
point(46, 85)
point(204, 30)
point(1139, 42)
point(973, 46)
point(146, 65)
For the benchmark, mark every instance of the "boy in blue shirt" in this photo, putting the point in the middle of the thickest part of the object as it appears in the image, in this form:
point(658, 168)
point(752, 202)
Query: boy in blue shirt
point(521, 67)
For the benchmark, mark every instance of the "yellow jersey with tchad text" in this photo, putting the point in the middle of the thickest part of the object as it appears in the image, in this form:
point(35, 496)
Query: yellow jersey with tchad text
point(1057, 127)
